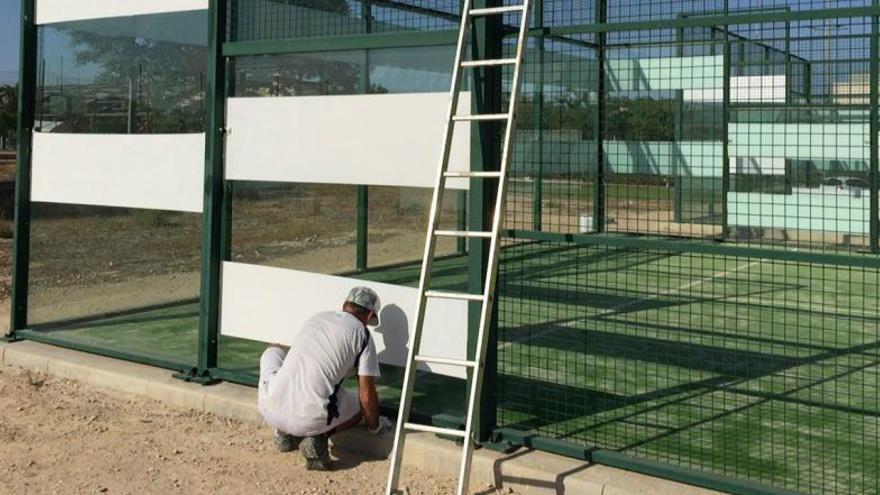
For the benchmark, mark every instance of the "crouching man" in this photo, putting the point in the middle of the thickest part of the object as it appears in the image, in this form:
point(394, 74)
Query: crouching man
point(300, 391)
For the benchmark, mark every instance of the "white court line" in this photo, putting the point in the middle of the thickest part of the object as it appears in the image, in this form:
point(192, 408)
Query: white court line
point(714, 276)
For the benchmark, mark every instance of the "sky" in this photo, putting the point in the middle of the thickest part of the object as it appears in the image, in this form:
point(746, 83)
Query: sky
point(9, 24)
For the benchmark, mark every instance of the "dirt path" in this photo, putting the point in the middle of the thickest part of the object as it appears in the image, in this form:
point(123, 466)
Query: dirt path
point(60, 436)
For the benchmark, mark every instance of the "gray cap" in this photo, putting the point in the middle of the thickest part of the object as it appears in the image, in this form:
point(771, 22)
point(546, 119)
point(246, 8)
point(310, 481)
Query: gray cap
point(366, 298)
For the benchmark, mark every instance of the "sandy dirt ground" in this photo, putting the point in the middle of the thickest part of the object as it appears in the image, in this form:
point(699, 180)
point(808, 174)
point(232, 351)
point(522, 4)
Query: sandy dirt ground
point(61, 436)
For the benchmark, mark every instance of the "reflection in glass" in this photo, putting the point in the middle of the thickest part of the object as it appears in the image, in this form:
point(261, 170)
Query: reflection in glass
point(309, 227)
point(127, 75)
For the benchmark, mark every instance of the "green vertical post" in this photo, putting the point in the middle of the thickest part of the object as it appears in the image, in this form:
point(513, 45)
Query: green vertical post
point(808, 82)
point(27, 82)
point(363, 193)
point(874, 224)
point(213, 211)
point(789, 76)
point(678, 203)
point(363, 197)
point(538, 117)
point(461, 220)
point(486, 43)
point(725, 130)
point(599, 130)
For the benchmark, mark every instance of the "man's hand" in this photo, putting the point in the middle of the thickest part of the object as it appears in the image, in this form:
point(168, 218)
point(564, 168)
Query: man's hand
point(369, 401)
point(385, 425)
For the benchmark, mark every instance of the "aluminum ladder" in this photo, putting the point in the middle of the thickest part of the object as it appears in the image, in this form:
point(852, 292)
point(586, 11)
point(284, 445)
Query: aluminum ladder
point(487, 297)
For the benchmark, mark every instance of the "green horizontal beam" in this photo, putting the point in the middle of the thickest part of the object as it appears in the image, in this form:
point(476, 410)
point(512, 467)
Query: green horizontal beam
point(700, 247)
point(630, 463)
point(339, 43)
point(52, 338)
point(713, 20)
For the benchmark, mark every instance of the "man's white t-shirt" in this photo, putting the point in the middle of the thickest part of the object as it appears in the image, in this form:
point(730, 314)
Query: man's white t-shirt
point(304, 396)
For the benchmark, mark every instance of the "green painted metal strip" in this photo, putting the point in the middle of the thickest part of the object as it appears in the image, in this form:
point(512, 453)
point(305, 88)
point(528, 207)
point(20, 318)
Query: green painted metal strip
point(57, 340)
point(27, 82)
point(538, 121)
point(212, 214)
point(716, 20)
point(461, 220)
point(337, 43)
point(874, 177)
point(725, 130)
point(362, 223)
point(599, 124)
point(486, 43)
point(631, 463)
point(700, 247)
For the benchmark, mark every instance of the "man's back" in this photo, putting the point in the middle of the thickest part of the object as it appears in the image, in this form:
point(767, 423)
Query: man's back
point(302, 397)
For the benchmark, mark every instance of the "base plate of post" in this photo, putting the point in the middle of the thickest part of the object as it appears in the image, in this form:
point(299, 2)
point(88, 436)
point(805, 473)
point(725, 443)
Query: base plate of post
point(195, 376)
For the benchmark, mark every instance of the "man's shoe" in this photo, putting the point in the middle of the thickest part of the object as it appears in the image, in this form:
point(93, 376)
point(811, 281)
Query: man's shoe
point(286, 442)
point(316, 452)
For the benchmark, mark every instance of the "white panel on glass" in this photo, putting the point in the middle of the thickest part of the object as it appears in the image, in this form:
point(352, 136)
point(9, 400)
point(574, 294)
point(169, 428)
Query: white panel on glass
point(383, 140)
point(152, 171)
point(743, 89)
point(271, 305)
point(754, 165)
point(51, 11)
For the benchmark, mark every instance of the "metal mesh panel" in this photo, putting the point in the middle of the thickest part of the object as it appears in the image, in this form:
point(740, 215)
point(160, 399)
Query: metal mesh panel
point(724, 319)
point(251, 20)
point(764, 370)
point(554, 149)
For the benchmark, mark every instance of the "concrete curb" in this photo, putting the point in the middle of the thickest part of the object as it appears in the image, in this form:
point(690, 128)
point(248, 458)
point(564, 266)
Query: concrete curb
point(525, 471)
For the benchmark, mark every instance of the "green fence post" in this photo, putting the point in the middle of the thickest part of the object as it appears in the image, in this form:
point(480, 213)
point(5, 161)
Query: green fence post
point(538, 119)
point(677, 192)
point(461, 220)
point(486, 43)
point(363, 192)
point(363, 202)
point(27, 81)
point(725, 129)
point(213, 211)
point(599, 130)
point(874, 223)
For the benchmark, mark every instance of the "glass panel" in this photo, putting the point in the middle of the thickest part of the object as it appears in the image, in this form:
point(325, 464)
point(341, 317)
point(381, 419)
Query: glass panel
point(309, 227)
point(118, 278)
point(127, 75)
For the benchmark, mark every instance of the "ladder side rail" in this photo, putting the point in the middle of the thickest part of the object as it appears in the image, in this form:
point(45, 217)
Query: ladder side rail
point(427, 261)
point(492, 272)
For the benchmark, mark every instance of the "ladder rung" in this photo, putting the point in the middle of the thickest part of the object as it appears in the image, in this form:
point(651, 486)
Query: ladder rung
point(463, 233)
point(497, 10)
point(482, 116)
point(473, 175)
point(453, 295)
point(489, 63)
point(434, 429)
point(439, 360)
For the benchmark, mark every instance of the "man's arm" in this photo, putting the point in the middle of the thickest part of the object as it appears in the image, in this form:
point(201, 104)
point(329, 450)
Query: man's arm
point(369, 400)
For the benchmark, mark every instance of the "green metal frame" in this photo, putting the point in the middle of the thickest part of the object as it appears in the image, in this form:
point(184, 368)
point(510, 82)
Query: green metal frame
point(874, 140)
point(486, 43)
point(22, 221)
point(599, 126)
point(214, 240)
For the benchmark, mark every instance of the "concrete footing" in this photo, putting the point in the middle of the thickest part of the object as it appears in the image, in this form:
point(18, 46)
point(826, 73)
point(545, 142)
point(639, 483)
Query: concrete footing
point(524, 471)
